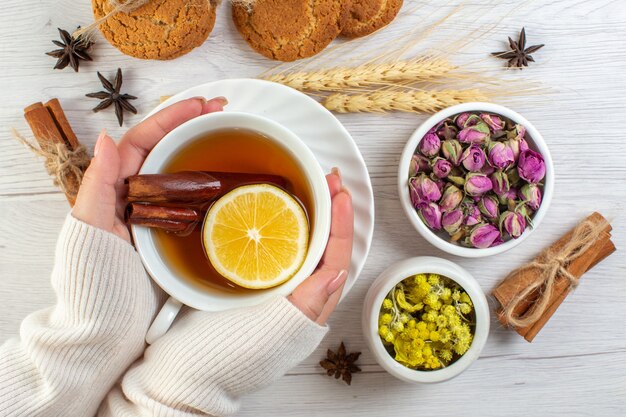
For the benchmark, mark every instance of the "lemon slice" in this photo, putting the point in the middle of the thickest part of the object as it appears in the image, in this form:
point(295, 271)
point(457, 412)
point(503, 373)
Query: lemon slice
point(256, 236)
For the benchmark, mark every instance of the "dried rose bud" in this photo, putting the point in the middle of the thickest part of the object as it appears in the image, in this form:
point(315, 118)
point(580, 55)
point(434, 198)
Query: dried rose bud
point(461, 119)
point(513, 222)
point(472, 214)
point(508, 197)
point(531, 166)
point(489, 207)
point(518, 132)
point(441, 167)
point(513, 176)
point(487, 169)
point(494, 122)
point(531, 194)
point(430, 144)
point(500, 182)
point(419, 163)
point(451, 198)
point(473, 158)
point(477, 184)
point(452, 150)
point(484, 236)
point(500, 155)
point(447, 131)
point(452, 221)
point(431, 215)
point(423, 190)
point(478, 133)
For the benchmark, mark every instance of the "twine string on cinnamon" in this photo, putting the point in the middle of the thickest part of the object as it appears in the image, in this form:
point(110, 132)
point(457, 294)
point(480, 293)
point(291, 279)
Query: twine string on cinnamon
point(118, 7)
point(66, 166)
point(551, 265)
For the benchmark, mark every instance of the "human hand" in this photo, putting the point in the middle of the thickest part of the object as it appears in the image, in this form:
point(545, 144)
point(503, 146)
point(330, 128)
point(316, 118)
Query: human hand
point(100, 200)
point(319, 294)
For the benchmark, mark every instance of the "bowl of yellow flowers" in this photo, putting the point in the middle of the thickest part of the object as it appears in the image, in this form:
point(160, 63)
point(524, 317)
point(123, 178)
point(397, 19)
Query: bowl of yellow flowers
point(425, 319)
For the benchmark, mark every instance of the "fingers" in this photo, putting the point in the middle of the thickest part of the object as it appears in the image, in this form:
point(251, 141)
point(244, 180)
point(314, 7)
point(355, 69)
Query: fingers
point(311, 297)
point(319, 294)
point(339, 247)
point(139, 140)
point(334, 182)
point(96, 200)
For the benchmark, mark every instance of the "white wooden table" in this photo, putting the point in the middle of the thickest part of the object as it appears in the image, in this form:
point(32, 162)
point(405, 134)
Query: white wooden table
point(575, 367)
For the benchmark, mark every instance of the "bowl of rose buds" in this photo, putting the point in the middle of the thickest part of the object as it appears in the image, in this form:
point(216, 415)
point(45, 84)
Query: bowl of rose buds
point(476, 179)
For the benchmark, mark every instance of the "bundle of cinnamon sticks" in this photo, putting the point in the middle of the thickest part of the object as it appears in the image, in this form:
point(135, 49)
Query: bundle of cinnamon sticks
point(531, 294)
point(65, 158)
point(177, 202)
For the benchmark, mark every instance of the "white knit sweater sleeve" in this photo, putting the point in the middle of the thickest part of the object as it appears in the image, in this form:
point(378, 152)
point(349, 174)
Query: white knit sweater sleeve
point(207, 361)
point(69, 356)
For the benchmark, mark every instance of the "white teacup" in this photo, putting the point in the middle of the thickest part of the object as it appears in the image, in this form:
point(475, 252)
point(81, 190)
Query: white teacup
point(183, 291)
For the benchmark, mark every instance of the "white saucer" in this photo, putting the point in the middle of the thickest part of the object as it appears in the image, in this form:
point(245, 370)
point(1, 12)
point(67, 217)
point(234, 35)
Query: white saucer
point(330, 142)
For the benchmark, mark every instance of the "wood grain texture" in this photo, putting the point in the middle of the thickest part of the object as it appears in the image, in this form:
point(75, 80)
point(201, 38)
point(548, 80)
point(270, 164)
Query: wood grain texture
point(575, 367)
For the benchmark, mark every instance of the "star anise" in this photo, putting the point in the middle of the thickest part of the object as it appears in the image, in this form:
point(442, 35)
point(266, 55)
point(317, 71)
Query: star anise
point(72, 51)
point(113, 96)
point(341, 364)
point(519, 56)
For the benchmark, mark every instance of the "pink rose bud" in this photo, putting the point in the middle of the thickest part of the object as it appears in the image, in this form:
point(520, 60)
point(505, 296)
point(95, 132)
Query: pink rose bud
point(489, 207)
point(487, 169)
point(519, 131)
point(510, 195)
point(531, 166)
point(473, 158)
point(451, 198)
point(423, 190)
point(441, 167)
point(494, 122)
point(461, 119)
point(514, 223)
point(447, 131)
point(477, 133)
point(431, 216)
point(472, 214)
point(477, 184)
point(430, 144)
point(500, 182)
point(452, 221)
point(500, 155)
point(484, 236)
point(452, 150)
point(418, 164)
point(531, 194)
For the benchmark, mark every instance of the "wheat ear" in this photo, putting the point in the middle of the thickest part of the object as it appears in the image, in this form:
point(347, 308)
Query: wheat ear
point(366, 75)
point(413, 101)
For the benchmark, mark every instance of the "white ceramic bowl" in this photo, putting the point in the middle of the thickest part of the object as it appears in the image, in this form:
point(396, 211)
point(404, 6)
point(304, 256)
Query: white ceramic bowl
point(535, 142)
point(398, 272)
point(183, 291)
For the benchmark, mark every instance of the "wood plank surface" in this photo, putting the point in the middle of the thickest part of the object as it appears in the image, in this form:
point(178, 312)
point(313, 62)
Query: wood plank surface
point(577, 364)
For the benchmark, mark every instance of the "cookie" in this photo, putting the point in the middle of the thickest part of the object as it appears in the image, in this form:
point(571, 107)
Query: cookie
point(287, 30)
point(362, 17)
point(162, 29)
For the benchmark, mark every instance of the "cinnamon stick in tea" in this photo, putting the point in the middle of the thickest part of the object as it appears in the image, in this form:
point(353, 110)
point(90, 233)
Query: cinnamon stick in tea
point(521, 279)
point(178, 220)
point(191, 187)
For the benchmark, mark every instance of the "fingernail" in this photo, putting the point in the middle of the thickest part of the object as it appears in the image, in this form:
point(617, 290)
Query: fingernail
point(337, 282)
point(345, 190)
point(202, 99)
point(223, 100)
point(96, 148)
point(336, 171)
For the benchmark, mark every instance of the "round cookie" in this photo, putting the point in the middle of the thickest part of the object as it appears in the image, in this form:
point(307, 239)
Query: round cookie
point(362, 17)
point(161, 29)
point(287, 30)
